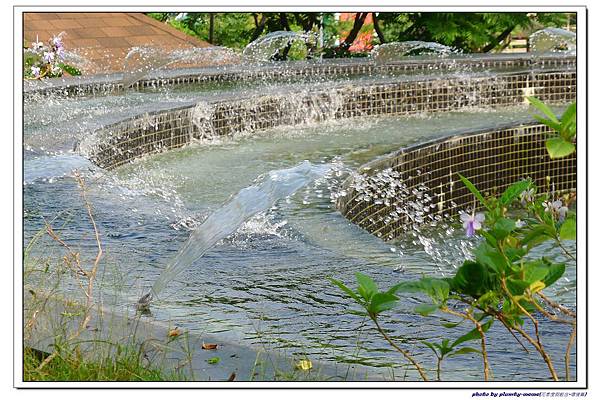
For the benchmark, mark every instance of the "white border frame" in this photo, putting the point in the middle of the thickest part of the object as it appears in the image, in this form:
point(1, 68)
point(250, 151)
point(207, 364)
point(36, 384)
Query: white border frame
point(582, 284)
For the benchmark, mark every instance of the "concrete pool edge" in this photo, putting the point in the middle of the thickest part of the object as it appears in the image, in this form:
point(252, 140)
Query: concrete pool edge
point(182, 353)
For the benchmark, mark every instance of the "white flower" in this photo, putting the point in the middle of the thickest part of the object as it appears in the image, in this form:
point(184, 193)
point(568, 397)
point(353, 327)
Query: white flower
point(48, 56)
point(556, 208)
point(35, 71)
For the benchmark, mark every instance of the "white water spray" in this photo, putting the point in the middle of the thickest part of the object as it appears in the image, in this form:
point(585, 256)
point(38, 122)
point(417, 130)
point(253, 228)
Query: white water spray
point(226, 220)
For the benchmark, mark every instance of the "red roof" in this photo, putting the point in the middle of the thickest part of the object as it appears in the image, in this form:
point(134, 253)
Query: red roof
point(105, 38)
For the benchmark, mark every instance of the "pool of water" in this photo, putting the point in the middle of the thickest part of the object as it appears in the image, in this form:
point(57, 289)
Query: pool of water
point(266, 285)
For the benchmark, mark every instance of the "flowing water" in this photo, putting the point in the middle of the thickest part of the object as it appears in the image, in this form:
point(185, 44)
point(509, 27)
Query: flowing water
point(171, 221)
point(553, 40)
point(142, 61)
point(265, 48)
point(396, 51)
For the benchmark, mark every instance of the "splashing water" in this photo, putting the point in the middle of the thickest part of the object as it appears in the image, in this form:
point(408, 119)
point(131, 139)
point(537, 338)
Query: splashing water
point(398, 50)
point(265, 48)
point(553, 40)
point(141, 61)
point(226, 220)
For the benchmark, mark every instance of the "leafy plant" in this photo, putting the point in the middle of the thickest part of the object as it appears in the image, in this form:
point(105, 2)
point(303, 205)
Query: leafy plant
point(562, 144)
point(46, 60)
point(502, 283)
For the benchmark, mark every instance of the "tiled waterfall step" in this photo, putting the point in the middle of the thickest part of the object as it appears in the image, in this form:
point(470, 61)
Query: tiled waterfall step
point(420, 184)
point(164, 129)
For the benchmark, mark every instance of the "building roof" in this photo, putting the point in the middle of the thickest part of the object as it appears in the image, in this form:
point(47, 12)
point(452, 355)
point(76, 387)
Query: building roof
point(104, 39)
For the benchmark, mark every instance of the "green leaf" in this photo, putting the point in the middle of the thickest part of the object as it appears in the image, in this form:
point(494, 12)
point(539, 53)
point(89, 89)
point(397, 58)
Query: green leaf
point(568, 230)
point(568, 123)
point(503, 227)
point(473, 279)
point(558, 147)
point(543, 108)
point(554, 125)
point(214, 360)
point(538, 234)
point(425, 309)
point(534, 271)
point(488, 299)
point(489, 238)
point(488, 256)
point(464, 350)
point(406, 287)
point(555, 271)
point(366, 286)
point(71, 70)
point(346, 289)
point(473, 334)
point(452, 324)
point(570, 114)
point(473, 190)
point(516, 286)
point(382, 302)
point(431, 346)
point(513, 191)
point(436, 289)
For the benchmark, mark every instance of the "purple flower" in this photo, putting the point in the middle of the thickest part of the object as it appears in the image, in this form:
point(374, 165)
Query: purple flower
point(35, 71)
point(48, 57)
point(472, 222)
point(60, 52)
point(56, 41)
point(556, 208)
point(526, 196)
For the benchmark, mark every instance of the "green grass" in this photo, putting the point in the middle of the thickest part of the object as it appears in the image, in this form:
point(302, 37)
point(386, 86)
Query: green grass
point(125, 366)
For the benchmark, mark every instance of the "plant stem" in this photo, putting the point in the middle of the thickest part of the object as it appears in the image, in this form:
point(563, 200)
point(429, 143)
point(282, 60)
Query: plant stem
point(536, 343)
point(559, 307)
point(568, 352)
point(404, 352)
point(439, 369)
point(567, 253)
point(486, 365)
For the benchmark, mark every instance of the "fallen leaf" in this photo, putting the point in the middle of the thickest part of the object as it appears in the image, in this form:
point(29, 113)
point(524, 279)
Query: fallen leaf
point(209, 346)
point(174, 332)
point(231, 377)
point(304, 365)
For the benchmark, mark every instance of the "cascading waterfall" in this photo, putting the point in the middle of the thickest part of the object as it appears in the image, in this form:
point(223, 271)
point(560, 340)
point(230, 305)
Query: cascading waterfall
point(226, 220)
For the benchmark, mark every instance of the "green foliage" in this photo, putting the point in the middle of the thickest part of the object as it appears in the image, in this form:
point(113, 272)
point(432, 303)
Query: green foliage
point(126, 365)
point(473, 190)
point(70, 69)
point(500, 283)
point(469, 31)
point(568, 230)
point(560, 145)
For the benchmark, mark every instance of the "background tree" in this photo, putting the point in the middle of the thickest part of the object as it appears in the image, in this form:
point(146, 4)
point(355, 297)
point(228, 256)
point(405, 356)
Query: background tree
point(471, 32)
